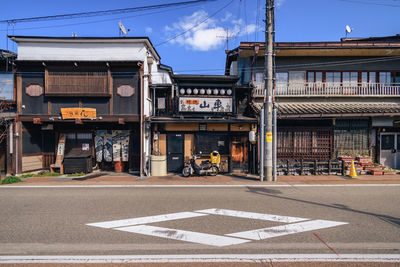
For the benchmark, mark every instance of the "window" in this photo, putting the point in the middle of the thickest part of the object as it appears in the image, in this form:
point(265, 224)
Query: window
point(385, 77)
point(297, 77)
point(351, 136)
point(333, 78)
point(206, 143)
point(314, 77)
point(310, 77)
point(350, 78)
point(281, 81)
point(78, 144)
point(258, 77)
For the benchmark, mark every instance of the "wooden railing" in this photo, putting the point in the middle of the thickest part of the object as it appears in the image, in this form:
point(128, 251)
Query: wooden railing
point(77, 84)
point(331, 89)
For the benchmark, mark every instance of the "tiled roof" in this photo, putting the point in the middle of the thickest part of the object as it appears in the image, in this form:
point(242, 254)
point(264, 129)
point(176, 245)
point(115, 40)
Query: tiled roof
point(327, 109)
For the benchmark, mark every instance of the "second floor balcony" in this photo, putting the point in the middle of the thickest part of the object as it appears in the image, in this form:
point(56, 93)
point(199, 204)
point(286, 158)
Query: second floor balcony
point(321, 89)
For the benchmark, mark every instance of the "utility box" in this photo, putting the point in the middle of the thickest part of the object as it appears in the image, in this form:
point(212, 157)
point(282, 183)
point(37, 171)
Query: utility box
point(158, 165)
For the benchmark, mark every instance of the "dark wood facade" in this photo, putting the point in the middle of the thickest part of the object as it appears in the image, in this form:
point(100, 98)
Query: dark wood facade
point(200, 114)
point(112, 89)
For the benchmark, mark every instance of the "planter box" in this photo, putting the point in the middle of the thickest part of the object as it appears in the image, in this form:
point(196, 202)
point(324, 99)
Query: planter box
point(377, 172)
point(364, 160)
point(346, 159)
point(389, 172)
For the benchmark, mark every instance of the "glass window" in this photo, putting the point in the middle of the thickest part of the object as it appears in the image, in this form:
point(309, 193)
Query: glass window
point(350, 78)
point(318, 77)
point(310, 76)
point(281, 81)
point(387, 142)
point(259, 77)
point(372, 77)
point(385, 77)
point(297, 76)
point(333, 78)
point(364, 77)
point(281, 77)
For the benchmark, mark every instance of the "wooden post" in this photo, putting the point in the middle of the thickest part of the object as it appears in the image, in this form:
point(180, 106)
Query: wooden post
point(111, 91)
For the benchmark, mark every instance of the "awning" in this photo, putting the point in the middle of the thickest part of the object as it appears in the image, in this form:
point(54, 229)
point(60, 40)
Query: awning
point(334, 109)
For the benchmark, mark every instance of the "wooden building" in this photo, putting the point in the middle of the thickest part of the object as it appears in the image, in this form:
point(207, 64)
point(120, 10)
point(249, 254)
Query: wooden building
point(7, 111)
point(82, 102)
point(333, 98)
point(202, 113)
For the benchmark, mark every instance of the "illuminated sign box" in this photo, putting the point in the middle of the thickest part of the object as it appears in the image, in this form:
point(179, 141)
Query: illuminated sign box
point(203, 104)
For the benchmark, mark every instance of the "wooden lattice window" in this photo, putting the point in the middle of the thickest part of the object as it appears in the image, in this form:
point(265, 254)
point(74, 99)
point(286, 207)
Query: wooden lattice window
point(34, 90)
point(304, 143)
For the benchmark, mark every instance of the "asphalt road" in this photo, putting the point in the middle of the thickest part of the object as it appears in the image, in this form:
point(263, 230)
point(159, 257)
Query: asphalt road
point(54, 221)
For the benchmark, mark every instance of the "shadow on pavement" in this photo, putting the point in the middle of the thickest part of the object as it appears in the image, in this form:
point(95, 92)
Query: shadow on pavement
point(270, 192)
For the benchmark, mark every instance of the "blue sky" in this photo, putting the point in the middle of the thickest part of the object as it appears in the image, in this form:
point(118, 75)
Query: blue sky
point(201, 49)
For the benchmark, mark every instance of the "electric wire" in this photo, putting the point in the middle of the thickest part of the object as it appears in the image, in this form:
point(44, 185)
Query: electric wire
point(98, 21)
point(101, 13)
point(194, 26)
point(369, 3)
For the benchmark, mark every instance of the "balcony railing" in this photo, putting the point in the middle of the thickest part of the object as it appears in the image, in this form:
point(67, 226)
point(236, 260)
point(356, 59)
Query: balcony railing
point(331, 89)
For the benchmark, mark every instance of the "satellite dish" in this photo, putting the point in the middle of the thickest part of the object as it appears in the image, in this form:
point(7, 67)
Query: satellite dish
point(122, 29)
point(348, 30)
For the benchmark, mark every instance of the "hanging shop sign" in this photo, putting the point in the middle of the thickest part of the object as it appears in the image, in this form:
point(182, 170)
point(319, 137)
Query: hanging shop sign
point(78, 113)
point(203, 104)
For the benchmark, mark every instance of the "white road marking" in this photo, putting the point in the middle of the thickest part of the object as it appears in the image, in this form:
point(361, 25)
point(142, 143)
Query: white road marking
point(147, 219)
point(257, 258)
point(287, 229)
point(194, 237)
point(253, 215)
point(197, 186)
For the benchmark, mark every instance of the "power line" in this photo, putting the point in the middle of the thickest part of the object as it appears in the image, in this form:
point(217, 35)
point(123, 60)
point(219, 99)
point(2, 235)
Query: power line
point(94, 21)
point(102, 12)
point(369, 3)
point(194, 26)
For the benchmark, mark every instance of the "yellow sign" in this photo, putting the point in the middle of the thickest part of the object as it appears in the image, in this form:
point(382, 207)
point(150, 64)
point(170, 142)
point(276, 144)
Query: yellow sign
point(269, 137)
point(78, 113)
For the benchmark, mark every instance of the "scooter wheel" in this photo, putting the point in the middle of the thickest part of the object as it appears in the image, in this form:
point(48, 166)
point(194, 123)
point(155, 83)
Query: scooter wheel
point(214, 171)
point(186, 172)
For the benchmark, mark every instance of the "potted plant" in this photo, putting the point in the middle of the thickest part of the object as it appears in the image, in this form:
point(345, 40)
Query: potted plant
point(389, 171)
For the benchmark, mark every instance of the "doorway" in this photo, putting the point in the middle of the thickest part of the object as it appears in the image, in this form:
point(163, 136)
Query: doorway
point(390, 150)
point(175, 152)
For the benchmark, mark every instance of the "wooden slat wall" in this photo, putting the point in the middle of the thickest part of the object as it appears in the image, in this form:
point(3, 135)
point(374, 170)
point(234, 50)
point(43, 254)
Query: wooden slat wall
point(31, 163)
point(78, 83)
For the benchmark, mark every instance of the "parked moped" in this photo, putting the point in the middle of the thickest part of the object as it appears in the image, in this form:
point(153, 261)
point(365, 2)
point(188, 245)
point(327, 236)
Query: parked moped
point(205, 168)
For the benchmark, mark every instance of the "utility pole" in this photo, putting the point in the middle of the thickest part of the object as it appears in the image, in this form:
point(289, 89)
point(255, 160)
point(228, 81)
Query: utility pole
point(268, 85)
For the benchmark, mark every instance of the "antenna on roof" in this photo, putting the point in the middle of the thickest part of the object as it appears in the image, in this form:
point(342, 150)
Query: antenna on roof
point(348, 30)
point(122, 30)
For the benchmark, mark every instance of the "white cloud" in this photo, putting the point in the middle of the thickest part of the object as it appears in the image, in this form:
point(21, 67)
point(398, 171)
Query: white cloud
point(279, 3)
point(199, 33)
point(148, 30)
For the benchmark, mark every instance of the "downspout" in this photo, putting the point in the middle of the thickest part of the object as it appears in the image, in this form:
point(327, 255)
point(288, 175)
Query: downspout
point(141, 64)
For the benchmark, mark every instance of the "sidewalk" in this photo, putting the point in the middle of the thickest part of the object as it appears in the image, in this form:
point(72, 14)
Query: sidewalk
point(238, 179)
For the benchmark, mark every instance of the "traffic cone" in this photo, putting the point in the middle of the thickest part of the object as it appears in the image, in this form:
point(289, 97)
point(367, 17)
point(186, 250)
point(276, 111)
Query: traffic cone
point(353, 173)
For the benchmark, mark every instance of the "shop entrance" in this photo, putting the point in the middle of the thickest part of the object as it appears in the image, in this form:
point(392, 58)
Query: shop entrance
point(240, 157)
point(390, 150)
point(175, 151)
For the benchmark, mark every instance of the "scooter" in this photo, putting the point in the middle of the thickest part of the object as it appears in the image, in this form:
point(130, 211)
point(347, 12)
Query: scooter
point(205, 168)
